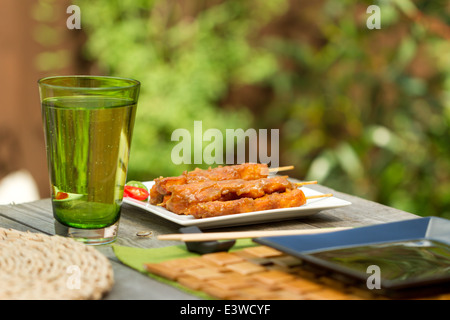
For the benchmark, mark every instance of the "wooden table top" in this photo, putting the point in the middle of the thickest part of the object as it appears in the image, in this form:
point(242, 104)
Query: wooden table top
point(130, 284)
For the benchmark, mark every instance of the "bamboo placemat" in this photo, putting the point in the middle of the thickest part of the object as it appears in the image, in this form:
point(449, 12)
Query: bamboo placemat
point(257, 273)
point(41, 267)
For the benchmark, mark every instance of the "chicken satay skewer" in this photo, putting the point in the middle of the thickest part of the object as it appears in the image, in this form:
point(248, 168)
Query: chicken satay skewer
point(184, 196)
point(307, 198)
point(289, 199)
point(246, 171)
point(280, 188)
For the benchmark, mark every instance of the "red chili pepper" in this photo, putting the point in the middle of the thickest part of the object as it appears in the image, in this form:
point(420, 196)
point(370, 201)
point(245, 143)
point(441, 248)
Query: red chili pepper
point(135, 193)
point(61, 195)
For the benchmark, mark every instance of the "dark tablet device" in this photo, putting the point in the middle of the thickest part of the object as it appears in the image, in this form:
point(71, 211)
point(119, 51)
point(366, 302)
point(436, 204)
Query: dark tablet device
point(398, 259)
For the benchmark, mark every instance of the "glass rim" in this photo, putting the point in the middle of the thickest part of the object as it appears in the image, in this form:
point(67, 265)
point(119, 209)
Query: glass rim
point(131, 82)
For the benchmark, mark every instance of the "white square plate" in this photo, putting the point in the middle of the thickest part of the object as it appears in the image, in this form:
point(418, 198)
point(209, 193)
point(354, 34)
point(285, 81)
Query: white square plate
point(311, 207)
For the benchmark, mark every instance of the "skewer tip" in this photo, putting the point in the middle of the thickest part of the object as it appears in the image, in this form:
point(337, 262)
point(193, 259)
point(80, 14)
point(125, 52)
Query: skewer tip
point(285, 168)
point(305, 183)
point(320, 196)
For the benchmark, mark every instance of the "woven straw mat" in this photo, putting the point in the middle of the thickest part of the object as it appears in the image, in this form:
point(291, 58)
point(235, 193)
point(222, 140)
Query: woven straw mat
point(41, 267)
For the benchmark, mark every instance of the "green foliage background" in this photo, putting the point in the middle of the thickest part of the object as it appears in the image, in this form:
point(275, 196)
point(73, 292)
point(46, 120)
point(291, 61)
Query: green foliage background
point(363, 111)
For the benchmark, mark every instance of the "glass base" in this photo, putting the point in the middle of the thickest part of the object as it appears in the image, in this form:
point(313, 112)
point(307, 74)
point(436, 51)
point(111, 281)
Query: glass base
point(88, 236)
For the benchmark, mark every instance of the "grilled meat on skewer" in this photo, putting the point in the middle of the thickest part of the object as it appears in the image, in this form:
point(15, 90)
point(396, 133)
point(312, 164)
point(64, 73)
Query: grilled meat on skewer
point(288, 199)
point(184, 196)
point(246, 171)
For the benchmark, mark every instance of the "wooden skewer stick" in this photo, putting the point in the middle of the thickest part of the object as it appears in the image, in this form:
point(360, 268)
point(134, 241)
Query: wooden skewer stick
point(320, 196)
point(305, 182)
point(286, 168)
point(187, 237)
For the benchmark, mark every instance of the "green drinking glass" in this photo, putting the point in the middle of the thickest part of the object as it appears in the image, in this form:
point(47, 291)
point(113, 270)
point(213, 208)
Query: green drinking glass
point(88, 123)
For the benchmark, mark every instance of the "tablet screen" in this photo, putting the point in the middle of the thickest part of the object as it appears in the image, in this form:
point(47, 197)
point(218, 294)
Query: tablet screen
point(415, 260)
